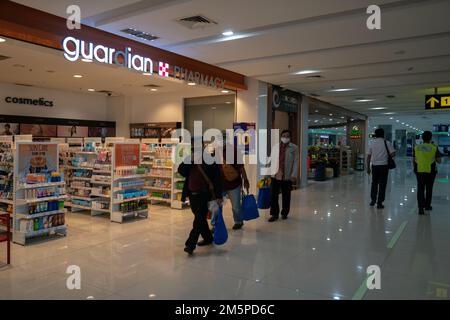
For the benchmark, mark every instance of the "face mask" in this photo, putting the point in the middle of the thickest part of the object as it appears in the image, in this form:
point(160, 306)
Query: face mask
point(285, 140)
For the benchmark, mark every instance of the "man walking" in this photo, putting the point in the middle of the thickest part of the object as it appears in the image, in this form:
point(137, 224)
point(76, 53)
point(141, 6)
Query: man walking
point(378, 154)
point(285, 177)
point(425, 157)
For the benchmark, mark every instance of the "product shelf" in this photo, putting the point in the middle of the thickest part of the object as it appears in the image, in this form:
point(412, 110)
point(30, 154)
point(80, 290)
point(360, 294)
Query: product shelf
point(35, 200)
point(130, 199)
point(41, 185)
point(38, 215)
point(7, 201)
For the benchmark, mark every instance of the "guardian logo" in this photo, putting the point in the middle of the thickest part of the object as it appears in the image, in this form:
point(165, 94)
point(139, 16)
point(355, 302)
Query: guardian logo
point(75, 49)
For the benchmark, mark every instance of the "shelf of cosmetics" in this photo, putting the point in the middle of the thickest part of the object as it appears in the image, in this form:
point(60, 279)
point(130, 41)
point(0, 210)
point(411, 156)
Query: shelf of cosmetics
point(41, 223)
point(130, 171)
point(128, 207)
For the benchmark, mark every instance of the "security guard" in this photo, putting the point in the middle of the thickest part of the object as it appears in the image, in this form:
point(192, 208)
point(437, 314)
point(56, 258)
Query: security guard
point(425, 157)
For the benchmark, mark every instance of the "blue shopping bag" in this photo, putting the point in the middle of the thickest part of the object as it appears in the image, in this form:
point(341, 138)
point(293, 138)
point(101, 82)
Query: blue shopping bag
point(220, 230)
point(264, 198)
point(249, 208)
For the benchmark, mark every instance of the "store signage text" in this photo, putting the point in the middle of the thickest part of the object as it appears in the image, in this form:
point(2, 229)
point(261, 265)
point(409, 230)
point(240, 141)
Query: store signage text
point(75, 49)
point(198, 78)
point(33, 102)
point(437, 101)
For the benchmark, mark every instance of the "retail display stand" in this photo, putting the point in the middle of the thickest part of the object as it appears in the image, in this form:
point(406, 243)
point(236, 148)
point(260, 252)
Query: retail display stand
point(6, 175)
point(182, 150)
point(90, 178)
point(129, 194)
point(346, 158)
point(39, 192)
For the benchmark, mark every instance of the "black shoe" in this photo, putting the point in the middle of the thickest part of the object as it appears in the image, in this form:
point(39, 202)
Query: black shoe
point(372, 204)
point(273, 218)
point(188, 250)
point(429, 208)
point(284, 217)
point(421, 211)
point(204, 243)
point(380, 206)
point(238, 226)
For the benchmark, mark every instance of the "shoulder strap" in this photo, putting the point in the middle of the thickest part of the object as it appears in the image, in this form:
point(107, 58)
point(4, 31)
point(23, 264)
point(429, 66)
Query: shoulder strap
point(387, 149)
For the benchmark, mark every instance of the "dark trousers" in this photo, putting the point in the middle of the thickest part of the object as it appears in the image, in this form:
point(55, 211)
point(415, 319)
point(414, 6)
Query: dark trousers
point(285, 186)
point(379, 183)
point(199, 207)
point(425, 183)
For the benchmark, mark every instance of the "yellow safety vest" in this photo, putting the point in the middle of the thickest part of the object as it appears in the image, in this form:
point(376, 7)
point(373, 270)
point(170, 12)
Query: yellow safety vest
point(425, 154)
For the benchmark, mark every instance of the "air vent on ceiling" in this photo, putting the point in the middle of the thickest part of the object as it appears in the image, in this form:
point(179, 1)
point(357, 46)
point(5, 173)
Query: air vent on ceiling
point(140, 34)
point(151, 86)
point(318, 76)
point(4, 57)
point(23, 84)
point(314, 95)
point(195, 22)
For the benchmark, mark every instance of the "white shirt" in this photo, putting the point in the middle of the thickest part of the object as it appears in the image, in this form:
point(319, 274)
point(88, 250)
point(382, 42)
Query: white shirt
point(378, 152)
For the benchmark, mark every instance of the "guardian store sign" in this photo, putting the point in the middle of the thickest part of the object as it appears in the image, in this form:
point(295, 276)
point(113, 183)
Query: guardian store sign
point(76, 49)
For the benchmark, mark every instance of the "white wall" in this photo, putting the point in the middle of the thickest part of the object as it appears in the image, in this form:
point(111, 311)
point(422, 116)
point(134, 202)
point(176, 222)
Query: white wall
point(119, 110)
point(157, 108)
point(67, 104)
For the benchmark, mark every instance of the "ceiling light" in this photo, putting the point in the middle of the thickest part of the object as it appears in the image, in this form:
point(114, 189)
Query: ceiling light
point(228, 33)
point(316, 121)
point(330, 119)
point(225, 91)
point(147, 74)
point(391, 118)
point(397, 120)
point(317, 111)
point(403, 123)
point(153, 89)
point(228, 102)
point(364, 100)
point(2, 40)
point(306, 72)
point(341, 90)
point(388, 113)
point(191, 83)
point(91, 90)
point(352, 119)
point(342, 117)
point(78, 76)
point(331, 114)
point(86, 60)
point(378, 108)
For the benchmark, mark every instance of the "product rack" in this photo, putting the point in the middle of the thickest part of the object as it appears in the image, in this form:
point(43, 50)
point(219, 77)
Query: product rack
point(6, 176)
point(129, 195)
point(38, 206)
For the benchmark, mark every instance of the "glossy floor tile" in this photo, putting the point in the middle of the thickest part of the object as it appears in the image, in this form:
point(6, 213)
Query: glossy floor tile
point(321, 252)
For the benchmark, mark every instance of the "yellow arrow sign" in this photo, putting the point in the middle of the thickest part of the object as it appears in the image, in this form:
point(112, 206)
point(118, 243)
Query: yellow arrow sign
point(432, 101)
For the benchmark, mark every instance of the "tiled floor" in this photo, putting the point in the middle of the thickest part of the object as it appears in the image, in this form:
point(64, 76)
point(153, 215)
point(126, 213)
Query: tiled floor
point(321, 252)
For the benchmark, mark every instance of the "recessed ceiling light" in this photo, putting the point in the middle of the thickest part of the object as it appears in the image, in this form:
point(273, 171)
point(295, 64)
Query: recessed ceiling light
point(86, 60)
point(153, 89)
point(191, 83)
point(342, 117)
point(2, 40)
point(147, 74)
point(228, 102)
point(388, 113)
point(352, 119)
point(228, 33)
point(330, 119)
point(91, 90)
point(378, 108)
point(317, 111)
point(316, 121)
point(225, 91)
point(331, 114)
point(403, 123)
point(78, 76)
point(364, 100)
point(306, 72)
point(397, 120)
point(341, 90)
point(391, 118)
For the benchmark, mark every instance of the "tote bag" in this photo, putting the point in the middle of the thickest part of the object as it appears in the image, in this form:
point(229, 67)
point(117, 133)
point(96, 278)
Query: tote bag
point(220, 230)
point(249, 208)
point(264, 198)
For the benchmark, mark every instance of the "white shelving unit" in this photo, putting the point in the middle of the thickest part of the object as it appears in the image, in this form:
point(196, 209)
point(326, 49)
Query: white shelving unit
point(181, 151)
point(91, 190)
point(36, 216)
point(125, 161)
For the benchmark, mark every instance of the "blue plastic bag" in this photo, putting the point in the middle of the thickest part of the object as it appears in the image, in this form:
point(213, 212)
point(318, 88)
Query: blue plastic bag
point(220, 230)
point(264, 198)
point(249, 208)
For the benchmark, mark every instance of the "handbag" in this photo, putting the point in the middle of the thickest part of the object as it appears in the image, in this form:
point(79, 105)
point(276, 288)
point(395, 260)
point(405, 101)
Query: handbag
point(249, 207)
point(220, 230)
point(391, 162)
point(264, 198)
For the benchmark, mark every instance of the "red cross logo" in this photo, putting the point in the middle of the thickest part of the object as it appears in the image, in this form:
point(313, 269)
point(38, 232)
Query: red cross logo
point(163, 69)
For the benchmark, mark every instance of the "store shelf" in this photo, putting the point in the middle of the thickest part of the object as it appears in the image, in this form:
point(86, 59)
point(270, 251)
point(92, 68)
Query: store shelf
point(37, 215)
point(134, 176)
point(160, 199)
point(41, 185)
point(80, 179)
point(177, 191)
point(178, 179)
point(162, 167)
point(102, 183)
point(44, 231)
point(80, 197)
point(7, 201)
point(54, 198)
point(128, 187)
point(100, 210)
point(148, 163)
point(80, 188)
point(79, 207)
point(160, 177)
point(101, 195)
point(130, 199)
point(101, 171)
point(157, 188)
point(80, 168)
point(6, 164)
point(84, 152)
point(132, 213)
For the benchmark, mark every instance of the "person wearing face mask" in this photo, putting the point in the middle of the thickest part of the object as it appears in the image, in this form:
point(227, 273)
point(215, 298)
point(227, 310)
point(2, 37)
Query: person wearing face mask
point(285, 177)
point(202, 184)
